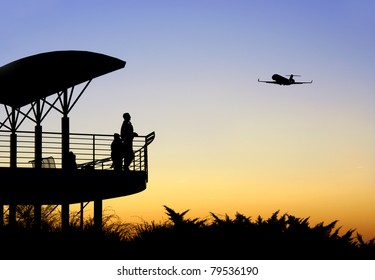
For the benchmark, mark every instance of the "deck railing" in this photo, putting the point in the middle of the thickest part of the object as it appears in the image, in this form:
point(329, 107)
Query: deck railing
point(91, 150)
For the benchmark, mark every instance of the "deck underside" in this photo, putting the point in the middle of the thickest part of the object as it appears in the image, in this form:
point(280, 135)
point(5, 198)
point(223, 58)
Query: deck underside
point(28, 186)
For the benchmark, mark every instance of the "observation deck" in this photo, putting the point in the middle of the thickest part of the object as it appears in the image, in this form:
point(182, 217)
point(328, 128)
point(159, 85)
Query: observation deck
point(34, 165)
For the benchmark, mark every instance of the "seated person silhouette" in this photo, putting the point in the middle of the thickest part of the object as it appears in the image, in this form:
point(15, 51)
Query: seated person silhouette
point(71, 161)
point(116, 152)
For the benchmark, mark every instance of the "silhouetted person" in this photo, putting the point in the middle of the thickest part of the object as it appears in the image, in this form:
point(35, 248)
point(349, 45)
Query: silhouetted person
point(71, 161)
point(116, 152)
point(127, 135)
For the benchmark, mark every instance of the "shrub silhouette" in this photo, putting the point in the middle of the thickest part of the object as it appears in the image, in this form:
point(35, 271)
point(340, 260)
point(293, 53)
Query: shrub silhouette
point(278, 237)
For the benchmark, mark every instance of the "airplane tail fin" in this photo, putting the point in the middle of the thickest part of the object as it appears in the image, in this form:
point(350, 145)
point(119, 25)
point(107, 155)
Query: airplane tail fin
point(291, 77)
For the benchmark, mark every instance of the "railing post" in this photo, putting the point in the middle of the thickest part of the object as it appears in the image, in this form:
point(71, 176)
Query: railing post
point(146, 162)
point(93, 149)
point(64, 141)
point(13, 150)
point(38, 146)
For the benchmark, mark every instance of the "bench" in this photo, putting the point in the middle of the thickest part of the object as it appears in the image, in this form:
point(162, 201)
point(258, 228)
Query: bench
point(48, 162)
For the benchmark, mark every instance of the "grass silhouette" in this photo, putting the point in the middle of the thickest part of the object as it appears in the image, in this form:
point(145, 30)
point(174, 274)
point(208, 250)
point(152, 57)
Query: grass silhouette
point(280, 237)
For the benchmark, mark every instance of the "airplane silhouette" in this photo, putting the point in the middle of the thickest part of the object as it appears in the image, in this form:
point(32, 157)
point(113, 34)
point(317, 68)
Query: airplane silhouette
point(280, 80)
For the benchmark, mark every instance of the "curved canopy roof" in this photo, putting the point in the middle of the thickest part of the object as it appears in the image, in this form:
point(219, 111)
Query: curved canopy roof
point(34, 77)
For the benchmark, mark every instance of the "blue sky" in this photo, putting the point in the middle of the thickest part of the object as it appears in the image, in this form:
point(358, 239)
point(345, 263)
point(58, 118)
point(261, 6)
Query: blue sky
point(225, 142)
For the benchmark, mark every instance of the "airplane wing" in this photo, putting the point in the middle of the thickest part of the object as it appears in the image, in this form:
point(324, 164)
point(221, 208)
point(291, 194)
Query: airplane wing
point(303, 82)
point(269, 82)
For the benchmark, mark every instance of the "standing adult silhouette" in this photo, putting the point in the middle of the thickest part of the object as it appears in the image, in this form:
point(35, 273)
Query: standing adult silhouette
point(127, 135)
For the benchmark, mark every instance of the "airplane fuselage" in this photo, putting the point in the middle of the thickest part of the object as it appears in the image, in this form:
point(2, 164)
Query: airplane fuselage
point(282, 80)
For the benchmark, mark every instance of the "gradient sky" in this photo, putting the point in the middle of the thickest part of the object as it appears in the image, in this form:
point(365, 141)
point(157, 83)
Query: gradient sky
point(224, 142)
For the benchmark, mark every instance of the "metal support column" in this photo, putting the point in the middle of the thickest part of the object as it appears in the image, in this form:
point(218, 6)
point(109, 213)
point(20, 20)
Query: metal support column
point(37, 216)
point(65, 216)
point(81, 216)
point(12, 215)
point(38, 136)
point(13, 162)
point(13, 139)
point(2, 216)
point(98, 214)
point(65, 130)
point(64, 153)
